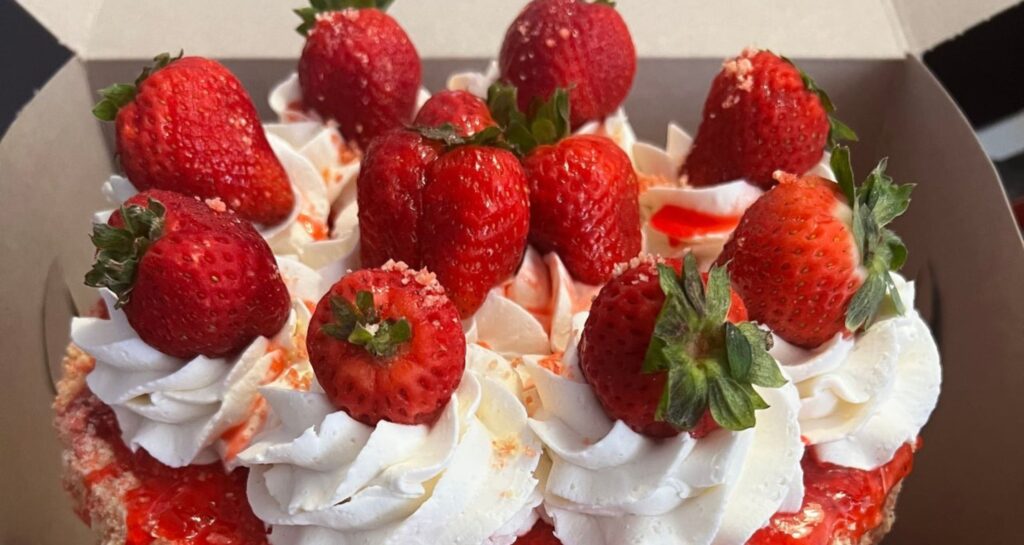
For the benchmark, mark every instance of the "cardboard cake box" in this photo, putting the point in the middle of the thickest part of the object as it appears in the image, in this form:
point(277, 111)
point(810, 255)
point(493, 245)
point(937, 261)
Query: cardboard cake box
point(965, 251)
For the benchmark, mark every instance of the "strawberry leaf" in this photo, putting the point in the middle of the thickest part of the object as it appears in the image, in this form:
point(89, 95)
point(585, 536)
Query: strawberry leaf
point(609, 3)
point(546, 123)
point(710, 363)
point(717, 297)
point(120, 249)
point(316, 7)
point(359, 324)
point(731, 405)
point(686, 393)
point(866, 301)
point(739, 353)
point(693, 286)
point(875, 203)
point(118, 95)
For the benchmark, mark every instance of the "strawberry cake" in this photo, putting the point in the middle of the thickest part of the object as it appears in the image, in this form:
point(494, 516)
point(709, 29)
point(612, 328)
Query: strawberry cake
point(490, 315)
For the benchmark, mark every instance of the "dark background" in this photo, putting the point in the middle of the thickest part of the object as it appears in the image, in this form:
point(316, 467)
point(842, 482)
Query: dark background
point(981, 69)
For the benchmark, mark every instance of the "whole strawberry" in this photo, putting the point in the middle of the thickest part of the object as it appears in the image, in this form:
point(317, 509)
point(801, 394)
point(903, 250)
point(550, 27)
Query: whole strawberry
point(541, 534)
point(662, 351)
point(389, 193)
point(386, 344)
point(462, 109)
point(358, 67)
point(476, 217)
point(574, 44)
point(583, 189)
point(191, 281)
point(807, 264)
point(762, 114)
point(188, 125)
point(448, 203)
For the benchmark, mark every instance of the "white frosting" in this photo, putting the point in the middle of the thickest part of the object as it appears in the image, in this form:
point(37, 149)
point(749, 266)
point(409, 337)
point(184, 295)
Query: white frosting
point(616, 126)
point(178, 410)
point(322, 477)
point(865, 397)
point(610, 485)
point(532, 312)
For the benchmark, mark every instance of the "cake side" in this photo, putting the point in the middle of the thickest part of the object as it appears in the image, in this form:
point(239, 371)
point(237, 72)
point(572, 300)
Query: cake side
point(130, 498)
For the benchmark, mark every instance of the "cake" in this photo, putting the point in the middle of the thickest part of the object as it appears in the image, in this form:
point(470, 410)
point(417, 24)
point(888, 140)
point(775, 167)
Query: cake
point(490, 315)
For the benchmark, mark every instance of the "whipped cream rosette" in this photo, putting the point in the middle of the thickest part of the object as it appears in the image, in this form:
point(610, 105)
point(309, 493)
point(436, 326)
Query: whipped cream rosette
point(322, 477)
point(532, 312)
point(194, 411)
point(678, 218)
point(862, 398)
point(609, 484)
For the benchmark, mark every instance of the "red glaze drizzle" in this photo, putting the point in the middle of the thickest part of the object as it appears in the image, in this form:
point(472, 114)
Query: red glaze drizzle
point(841, 504)
point(199, 504)
point(682, 224)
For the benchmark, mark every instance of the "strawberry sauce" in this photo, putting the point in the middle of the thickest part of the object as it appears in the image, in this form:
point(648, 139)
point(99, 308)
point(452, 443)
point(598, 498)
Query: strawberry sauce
point(681, 224)
point(199, 504)
point(841, 504)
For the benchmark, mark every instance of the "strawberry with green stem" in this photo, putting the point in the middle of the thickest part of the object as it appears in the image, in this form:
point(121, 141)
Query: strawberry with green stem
point(187, 125)
point(762, 114)
point(191, 281)
point(358, 67)
point(387, 344)
point(812, 258)
point(583, 189)
point(662, 352)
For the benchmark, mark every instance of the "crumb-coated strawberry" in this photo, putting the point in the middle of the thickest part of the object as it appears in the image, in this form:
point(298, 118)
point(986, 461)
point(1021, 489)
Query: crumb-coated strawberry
point(762, 114)
point(574, 44)
point(389, 188)
point(466, 112)
point(797, 263)
point(583, 205)
point(475, 220)
point(189, 126)
point(359, 68)
point(541, 534)
point(191, 280)
point(617, 339)
point(387, 344)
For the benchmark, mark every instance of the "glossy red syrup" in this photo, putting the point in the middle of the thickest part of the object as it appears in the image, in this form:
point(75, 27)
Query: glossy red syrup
point(681, 224)
point(841, 504)
point(198, 504)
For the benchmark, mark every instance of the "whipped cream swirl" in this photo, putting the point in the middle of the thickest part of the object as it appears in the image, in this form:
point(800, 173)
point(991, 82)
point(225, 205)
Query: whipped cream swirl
point(610, 485)
point(322, 477)
point(191, 411)
point(863, 398)
point(532, 312)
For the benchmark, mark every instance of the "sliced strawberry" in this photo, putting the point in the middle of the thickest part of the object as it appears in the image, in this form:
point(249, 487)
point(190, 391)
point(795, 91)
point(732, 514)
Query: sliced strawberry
point(660, 352)
point(463, 110)
point(387, 344)
point(359, 68)
point(191, 280)
point(573, 44)
point(188, 125)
